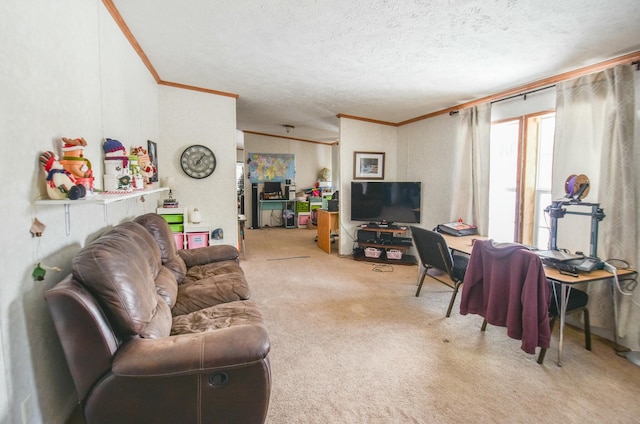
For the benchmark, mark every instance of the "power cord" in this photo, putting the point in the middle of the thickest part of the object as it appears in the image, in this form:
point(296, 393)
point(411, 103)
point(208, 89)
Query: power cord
point(631, 283)
point(382, 268)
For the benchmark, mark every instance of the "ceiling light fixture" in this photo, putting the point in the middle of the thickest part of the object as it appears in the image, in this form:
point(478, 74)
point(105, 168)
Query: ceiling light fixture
point(288, 128)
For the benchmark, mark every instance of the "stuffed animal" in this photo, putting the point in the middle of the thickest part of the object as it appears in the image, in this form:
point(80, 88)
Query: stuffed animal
point(61, 184)
point(147, 169)
point(73, 159)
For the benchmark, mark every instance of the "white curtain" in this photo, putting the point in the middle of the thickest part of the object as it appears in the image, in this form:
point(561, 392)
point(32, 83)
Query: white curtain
point(471, 181)
point(595, 116)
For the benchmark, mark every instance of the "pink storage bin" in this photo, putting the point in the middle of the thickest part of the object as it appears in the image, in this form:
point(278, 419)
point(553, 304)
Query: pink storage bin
point(179, 238)
point(195, 240)
point(302, 220)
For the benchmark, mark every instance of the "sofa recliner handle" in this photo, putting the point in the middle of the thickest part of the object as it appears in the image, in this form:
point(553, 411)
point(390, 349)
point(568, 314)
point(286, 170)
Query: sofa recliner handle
point(219, 379)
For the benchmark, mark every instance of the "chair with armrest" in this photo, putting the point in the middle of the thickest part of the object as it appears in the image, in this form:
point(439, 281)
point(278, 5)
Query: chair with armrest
point(435, 254)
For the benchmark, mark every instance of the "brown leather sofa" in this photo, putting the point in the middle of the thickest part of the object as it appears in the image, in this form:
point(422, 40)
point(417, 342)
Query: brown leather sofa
point(156, 335)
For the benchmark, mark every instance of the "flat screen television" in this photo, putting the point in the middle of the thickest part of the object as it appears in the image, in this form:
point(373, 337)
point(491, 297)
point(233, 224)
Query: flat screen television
point(377, 201)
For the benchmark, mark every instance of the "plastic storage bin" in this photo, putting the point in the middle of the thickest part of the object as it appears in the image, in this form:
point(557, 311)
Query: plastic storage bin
point(394, 254)
point(372, 252)
point(179, 238)
point(174, 218)
point(302, 220)
point(177, 228)
point(195, 240)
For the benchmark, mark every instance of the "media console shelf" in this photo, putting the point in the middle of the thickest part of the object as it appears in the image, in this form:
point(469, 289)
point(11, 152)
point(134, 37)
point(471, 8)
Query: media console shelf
point(383, 239)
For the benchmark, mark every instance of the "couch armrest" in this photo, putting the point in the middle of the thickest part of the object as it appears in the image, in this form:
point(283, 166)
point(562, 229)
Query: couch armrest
point(192, 353)
point(208, 254)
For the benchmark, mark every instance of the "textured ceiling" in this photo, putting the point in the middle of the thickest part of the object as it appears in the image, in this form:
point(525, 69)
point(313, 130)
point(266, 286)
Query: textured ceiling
point(302, 62)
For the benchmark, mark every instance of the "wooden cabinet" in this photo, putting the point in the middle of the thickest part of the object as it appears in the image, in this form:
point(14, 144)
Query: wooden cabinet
point(327, 222)
point(390, 242)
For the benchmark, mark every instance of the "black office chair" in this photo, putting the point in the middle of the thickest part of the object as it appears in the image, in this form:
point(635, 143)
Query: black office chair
point(435, 254)
point(576, 302)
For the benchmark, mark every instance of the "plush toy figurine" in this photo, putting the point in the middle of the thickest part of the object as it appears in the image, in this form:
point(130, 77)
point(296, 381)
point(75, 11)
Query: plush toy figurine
point(147, 170)
point(73, 159)
point(61, 184)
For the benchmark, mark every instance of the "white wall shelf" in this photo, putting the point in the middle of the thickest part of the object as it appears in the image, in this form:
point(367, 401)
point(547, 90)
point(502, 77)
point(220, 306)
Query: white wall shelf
point(98, 199)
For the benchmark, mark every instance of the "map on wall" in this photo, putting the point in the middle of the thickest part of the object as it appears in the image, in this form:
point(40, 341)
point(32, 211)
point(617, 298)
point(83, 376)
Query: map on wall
point(271, 167)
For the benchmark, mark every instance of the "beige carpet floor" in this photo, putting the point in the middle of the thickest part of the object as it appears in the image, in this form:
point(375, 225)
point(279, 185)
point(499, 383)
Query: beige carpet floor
point(350, 343)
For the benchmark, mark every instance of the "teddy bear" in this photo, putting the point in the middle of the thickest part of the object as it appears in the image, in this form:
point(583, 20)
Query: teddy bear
point(60, 183)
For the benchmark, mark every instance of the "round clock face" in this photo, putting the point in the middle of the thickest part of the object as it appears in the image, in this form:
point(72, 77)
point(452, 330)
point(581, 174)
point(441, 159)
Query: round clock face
point(198, 161)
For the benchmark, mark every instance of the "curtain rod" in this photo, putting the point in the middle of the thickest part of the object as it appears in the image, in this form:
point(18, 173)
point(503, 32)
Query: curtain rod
point(523, 94)
point(455, 112)
point(636, 63)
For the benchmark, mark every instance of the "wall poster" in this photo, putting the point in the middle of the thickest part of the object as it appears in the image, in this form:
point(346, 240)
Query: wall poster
point(271, 167)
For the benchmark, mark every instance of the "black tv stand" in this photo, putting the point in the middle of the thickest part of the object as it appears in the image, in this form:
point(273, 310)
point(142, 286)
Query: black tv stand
point(377, 241)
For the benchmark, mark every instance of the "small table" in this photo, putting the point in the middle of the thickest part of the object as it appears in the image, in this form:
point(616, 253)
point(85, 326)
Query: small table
point(327, 221)
point(275, 204)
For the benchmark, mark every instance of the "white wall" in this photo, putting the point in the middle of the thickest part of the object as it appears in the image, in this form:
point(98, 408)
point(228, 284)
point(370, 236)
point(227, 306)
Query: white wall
point(310, 159)
point(430, 158)
point(191, 117)
point(358, 136)
point(67, 71)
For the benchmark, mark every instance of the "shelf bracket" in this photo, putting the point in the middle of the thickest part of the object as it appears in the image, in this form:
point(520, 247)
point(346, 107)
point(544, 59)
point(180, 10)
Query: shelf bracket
point(105, 212)
point(67, 220)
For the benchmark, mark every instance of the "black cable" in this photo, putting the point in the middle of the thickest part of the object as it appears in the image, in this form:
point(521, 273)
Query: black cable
point(382, 268)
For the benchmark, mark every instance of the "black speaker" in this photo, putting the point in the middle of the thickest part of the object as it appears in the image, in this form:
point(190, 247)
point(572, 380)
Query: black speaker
point(254, 205)
point(364, 236)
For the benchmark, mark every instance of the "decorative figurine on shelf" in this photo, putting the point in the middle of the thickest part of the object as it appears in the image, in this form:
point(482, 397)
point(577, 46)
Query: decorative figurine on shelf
point(60, 183)
point(315, 191)
point(124, 183)
point(73, 160)
point(137, 181)
point(147, 170)
point(116, 164)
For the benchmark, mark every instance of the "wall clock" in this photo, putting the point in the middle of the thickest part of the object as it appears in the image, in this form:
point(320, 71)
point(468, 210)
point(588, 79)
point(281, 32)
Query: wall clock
point(198, 161)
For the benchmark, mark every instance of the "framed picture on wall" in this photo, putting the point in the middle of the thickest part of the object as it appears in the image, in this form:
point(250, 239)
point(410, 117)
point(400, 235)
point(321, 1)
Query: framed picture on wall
point(152, 148)
point(368, 165)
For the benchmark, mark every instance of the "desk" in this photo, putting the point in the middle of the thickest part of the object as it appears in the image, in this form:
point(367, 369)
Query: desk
point(567, 281)
point(464, 244)
point(327, 221)
point(275, 205)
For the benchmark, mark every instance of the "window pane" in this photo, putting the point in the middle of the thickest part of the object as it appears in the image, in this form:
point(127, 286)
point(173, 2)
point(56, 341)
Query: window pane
point(543, 183)
point(503, 180)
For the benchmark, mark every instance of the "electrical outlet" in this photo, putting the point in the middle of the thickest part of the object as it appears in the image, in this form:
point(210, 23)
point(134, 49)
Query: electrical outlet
point(27, 410)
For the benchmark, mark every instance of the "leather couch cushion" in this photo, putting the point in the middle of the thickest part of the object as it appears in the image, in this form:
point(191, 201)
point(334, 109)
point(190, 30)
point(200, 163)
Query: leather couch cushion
point(166, 286)
point(161, 232)
point(207, 285)
point(217, 317)
point(160, 324)
point(118, 268)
